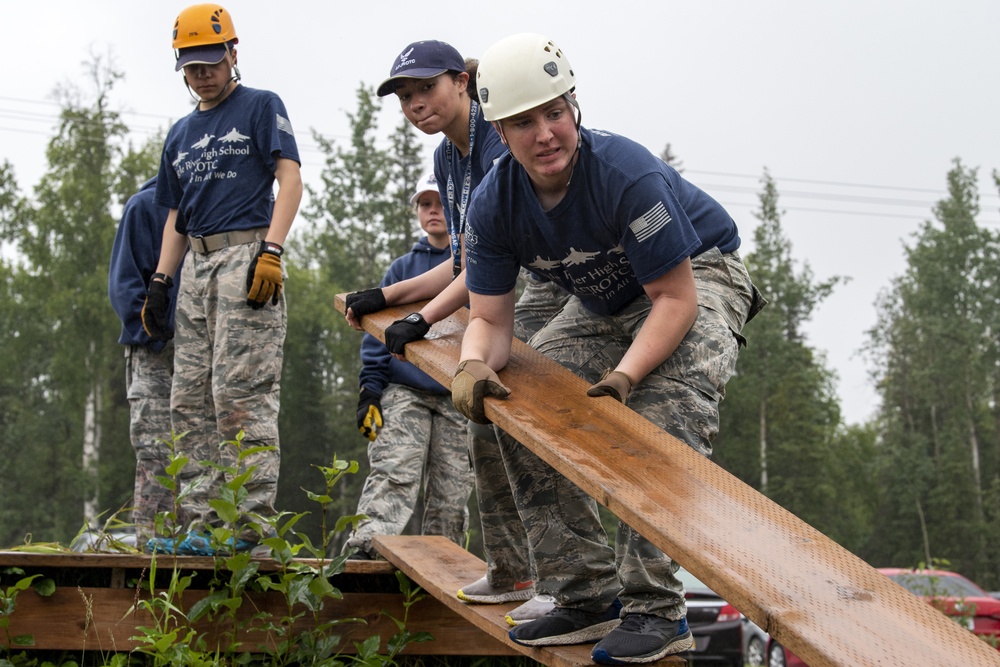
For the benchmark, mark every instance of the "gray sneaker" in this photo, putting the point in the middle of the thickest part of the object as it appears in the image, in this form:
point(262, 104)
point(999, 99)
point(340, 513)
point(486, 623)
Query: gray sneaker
point(643, 638)
point(564, 625)
point(481, 592)
point(534, 608)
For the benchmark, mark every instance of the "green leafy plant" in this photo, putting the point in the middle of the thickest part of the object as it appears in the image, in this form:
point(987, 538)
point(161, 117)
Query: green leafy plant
point(8, 601)
point(301, 634)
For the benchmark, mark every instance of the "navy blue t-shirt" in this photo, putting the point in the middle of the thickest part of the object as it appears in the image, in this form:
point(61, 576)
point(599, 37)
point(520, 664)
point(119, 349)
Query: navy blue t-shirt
point(217, 166)
point(133, 260)
point(627, 219)
point(486, 150)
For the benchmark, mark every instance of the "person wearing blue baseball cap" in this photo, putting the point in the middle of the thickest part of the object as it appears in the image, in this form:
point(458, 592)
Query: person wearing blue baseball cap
point(431, 80)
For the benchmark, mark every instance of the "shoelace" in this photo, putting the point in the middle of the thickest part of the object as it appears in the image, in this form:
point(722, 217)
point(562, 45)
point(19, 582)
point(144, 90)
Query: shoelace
point(641, 623)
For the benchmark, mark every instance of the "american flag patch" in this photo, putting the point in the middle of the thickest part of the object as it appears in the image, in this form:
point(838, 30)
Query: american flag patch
point(284, 124)
point(650, 222)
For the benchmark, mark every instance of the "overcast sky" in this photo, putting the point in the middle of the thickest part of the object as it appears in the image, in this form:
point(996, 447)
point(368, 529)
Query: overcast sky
point(856, 108)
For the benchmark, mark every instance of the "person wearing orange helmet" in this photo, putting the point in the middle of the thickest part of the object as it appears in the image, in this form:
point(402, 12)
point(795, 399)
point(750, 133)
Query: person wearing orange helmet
point(217, 172)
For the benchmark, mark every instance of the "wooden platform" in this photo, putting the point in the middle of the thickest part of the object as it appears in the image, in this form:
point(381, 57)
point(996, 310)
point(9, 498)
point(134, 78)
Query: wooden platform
point(94, 593)
point(816, 598)
point(441, 567)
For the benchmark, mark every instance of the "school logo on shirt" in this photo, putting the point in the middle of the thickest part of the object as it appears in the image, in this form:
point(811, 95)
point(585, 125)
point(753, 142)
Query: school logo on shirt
point(650, 222)
point(233, 137)
point(546, 265)
point(576, 257)
point(204, 141)
point(208, 157)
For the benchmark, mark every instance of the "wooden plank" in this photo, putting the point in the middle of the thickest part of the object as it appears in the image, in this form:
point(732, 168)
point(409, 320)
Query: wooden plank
point(88, 617)
point(136, 561)
point(98, 619)
point(441, 567)
point(815, 597)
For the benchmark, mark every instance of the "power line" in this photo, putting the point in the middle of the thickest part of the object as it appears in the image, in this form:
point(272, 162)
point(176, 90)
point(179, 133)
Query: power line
point(309, 147)
point(819, 182)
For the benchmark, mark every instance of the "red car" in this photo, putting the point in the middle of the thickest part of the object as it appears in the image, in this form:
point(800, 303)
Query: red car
point(779, 656)
point(954, 595)
point(949, 592)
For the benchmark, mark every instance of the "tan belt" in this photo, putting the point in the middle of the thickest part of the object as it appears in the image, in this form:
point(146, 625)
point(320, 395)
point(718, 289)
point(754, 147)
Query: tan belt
point(206, 244)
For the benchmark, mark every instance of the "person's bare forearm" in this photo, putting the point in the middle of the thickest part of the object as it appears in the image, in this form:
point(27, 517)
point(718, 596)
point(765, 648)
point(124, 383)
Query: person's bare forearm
point(451, 298)
point(490, 332)
point(418, 288)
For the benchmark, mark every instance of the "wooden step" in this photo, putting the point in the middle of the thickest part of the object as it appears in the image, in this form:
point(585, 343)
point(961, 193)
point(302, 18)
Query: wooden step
point(441, 567)
point(815, 597)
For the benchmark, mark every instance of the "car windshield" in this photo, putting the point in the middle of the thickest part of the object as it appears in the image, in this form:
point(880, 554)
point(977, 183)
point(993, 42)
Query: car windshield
point(933, 585)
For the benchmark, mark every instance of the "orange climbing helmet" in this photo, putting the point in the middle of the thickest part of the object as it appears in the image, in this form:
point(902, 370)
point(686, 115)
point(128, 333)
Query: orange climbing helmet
point(203, 35)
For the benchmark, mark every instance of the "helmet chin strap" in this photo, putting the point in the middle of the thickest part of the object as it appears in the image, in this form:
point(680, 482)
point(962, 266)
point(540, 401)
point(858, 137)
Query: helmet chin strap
point(579, 135)
point(225, 89)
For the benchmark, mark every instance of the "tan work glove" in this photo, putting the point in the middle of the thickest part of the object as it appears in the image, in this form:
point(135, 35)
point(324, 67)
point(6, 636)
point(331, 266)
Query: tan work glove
point(264, 276)
point(615, 384)
point(474, 381)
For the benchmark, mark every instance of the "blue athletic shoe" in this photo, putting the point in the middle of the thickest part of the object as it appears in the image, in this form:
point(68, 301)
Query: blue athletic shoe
point(643, 638)
point(163, 545)
point(197, 543)
point(201, 544)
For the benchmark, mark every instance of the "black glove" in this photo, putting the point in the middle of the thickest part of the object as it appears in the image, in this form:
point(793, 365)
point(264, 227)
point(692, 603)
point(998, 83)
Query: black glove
point(156, 309)
point(410, 328)
point(369, 413)
point(264, 276)
point(365, 302)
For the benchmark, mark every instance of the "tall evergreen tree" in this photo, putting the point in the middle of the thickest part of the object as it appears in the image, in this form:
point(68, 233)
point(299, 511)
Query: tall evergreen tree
point(781, 415)
point(935, 346)
point(78, 432)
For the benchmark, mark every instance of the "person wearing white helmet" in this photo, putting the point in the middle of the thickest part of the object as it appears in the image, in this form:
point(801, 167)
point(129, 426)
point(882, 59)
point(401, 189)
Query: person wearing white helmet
point(217, 174)
point(659, 299)
point(417, 437)
point(432, 82)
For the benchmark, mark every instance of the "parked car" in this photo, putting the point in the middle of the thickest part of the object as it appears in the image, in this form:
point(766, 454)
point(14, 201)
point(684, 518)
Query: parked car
point(717, 626)
point(779, 656)
point(762, 650)
point(755, 642)
point(954, 595)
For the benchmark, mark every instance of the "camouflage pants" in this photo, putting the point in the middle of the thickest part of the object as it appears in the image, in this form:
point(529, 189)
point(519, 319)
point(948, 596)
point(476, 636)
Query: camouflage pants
point(227, 379)
point(573, 560)
point(423, 438)
point(147, 386)
point(505, 544)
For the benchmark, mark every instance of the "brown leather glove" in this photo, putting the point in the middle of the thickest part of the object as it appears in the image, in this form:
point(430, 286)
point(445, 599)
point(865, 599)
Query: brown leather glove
point(474, 381)
point(615, 384)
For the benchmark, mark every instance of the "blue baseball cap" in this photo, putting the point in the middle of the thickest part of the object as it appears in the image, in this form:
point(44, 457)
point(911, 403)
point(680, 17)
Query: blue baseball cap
point(422, 60)
point(209, 54)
